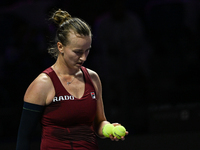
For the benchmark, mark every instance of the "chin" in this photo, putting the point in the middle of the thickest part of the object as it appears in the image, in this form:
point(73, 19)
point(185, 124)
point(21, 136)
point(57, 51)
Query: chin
point(77, 67)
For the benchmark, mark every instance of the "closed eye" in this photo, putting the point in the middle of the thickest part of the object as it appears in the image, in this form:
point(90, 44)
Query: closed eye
point(88, 50)
point(80, 52)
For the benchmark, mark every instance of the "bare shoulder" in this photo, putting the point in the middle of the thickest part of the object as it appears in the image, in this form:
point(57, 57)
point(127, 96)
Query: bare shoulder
point(94, 76)
point(95, 79)
point(39, 90)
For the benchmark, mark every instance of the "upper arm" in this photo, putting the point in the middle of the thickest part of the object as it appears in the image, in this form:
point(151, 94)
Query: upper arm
point(100, 115)
point(39, 90)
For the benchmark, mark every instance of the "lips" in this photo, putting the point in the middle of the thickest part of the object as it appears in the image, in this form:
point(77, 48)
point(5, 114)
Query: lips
point(80, 63)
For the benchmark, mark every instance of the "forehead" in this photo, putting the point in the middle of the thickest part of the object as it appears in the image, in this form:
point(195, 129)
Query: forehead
point(76, 40)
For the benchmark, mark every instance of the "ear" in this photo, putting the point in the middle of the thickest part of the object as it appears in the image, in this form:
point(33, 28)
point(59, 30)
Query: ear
point(60, 47)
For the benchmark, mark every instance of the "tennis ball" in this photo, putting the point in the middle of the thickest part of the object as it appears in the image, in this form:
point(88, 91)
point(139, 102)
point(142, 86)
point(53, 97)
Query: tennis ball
point(119, 131)
point(107, 130)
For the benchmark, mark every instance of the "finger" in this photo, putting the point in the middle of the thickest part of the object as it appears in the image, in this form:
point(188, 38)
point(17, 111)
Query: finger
point(116, 124)
point(122, 138)
point(116, 139)
point(111, 137)
point(127, 132)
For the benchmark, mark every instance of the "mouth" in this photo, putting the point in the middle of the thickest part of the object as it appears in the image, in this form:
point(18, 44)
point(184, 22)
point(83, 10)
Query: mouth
point(80, 63)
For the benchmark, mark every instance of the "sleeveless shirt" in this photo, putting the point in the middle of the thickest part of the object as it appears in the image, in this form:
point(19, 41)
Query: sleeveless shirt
point(67, 122)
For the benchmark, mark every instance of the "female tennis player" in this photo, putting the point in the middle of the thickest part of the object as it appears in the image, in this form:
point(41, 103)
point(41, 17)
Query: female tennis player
point(66, 97)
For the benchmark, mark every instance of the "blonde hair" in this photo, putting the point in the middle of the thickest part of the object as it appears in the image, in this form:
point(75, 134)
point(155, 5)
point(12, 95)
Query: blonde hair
point(65, 24)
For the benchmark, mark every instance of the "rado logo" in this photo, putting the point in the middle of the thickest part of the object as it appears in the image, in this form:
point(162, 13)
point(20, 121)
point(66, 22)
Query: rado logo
point(63, 98)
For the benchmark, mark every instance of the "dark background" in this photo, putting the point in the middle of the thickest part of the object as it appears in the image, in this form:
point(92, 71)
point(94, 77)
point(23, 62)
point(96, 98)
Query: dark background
point(161, 109)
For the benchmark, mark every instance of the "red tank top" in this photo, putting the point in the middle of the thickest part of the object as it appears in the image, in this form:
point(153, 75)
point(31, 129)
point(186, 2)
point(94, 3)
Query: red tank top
point(67, 122)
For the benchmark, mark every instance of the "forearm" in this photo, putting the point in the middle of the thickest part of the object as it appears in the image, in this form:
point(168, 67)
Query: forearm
point(30, 117)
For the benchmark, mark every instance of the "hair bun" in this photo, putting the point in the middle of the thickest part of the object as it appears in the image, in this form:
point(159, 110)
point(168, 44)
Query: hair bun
point(60, 16)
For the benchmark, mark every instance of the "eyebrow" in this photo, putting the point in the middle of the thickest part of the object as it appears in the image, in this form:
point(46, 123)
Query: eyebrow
point(82, 49)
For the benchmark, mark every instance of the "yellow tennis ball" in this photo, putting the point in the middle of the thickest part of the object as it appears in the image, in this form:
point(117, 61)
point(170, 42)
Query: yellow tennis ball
point(119, 131)
point(107, 130)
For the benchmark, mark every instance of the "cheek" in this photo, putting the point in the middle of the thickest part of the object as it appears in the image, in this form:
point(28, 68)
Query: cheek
point(70, 58)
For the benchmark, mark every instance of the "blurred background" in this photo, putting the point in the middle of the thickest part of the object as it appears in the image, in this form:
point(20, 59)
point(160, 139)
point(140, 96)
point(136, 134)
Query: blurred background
point(146, 53)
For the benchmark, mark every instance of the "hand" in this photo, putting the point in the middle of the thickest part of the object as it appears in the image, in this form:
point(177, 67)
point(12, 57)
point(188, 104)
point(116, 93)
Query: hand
point(115, 138)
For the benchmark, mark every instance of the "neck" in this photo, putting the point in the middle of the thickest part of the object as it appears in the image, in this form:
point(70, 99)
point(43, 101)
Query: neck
point(64, 74)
